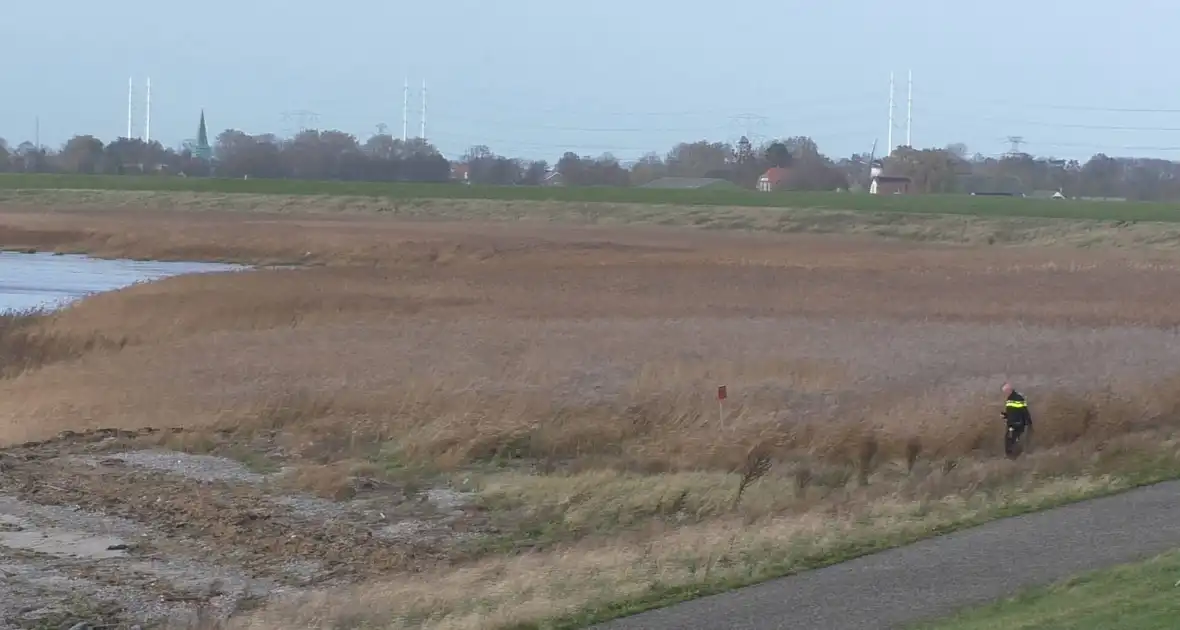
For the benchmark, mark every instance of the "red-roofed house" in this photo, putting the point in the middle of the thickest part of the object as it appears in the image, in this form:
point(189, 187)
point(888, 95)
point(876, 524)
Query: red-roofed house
point(773, 179)
point(460, 173)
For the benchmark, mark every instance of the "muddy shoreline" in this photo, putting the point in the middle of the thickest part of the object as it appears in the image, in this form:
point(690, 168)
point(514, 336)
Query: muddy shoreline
point(107, 528)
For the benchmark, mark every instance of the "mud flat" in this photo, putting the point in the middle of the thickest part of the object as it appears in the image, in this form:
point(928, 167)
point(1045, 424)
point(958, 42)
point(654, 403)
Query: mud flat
point(103, 530)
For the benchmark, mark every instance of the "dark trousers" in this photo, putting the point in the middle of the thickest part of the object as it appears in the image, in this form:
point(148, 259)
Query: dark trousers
point(1011, 437)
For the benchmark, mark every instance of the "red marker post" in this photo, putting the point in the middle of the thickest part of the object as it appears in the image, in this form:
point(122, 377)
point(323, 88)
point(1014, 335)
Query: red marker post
point(722, 394)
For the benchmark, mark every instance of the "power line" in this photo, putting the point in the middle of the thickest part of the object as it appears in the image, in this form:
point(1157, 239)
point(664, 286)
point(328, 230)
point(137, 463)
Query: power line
point(986, 99)
point(761, 108)
point(573, 145)
point(1015, 146)
point(1084, 145)
point(800, 124)
point(747, 121)
point(1103, 147)
point(302, 119)
point(1056, 125)
point(829, 104)
point(1035, 123)
point(1089, 108)
point(548, 127)
point(782, 118)
point(748, 124)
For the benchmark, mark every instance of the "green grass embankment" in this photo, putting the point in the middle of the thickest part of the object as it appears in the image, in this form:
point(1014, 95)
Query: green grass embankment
point(1142, 596)
point(925, 204)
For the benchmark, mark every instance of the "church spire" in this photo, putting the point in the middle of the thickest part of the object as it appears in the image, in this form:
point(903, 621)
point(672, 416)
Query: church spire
point(203, 150)
point(202, 132)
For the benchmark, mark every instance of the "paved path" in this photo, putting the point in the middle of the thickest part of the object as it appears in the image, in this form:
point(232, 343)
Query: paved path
point(936, 577)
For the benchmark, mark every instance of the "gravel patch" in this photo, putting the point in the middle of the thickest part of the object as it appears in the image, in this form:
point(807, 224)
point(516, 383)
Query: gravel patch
point(448, 500)
point(405, 530)
point(317, 509)
point(206, 468)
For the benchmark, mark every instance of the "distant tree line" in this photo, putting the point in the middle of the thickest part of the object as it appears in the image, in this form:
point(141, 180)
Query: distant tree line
point(332, 155)
point(335, 155)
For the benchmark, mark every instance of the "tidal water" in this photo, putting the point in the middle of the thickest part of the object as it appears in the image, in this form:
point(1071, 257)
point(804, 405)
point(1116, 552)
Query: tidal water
point(29, 281)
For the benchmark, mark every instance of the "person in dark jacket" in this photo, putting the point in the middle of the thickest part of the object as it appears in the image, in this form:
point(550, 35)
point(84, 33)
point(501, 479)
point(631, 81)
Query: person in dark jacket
point(1017, 415)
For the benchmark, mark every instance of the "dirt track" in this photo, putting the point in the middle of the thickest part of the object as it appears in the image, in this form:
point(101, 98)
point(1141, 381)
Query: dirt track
point(936, 577)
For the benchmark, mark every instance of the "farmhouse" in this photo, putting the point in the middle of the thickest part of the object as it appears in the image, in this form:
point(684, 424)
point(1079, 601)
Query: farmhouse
point(460, 173)
point(773, 179)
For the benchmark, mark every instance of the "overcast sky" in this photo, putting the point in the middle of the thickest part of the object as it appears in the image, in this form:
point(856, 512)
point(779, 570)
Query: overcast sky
point(534, 78)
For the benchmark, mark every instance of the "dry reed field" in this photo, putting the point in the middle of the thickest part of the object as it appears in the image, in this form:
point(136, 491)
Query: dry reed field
point(511, 422)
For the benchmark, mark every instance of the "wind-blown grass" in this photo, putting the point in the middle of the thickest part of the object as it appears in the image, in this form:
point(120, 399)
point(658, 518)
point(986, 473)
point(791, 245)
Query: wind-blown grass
point(26, 345)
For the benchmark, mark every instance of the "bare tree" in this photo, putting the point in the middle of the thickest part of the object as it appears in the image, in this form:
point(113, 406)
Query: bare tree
point(699, 159)
point(534, 173)
point(648, 168)
point(5, 156)
point(82, 154)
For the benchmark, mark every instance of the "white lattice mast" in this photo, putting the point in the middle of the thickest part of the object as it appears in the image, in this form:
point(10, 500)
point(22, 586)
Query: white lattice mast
point(406, 110)
point(423, 134)
point(909, 111)
point(889, 138)
point(130, 103)
point(147, 115)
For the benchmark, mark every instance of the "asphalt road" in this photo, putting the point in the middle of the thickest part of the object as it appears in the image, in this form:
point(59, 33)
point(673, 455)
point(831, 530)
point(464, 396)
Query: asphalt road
point(937, 577)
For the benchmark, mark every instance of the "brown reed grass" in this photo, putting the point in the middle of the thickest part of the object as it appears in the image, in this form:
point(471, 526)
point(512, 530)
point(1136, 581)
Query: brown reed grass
point(568, 375)
point(548, 352)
